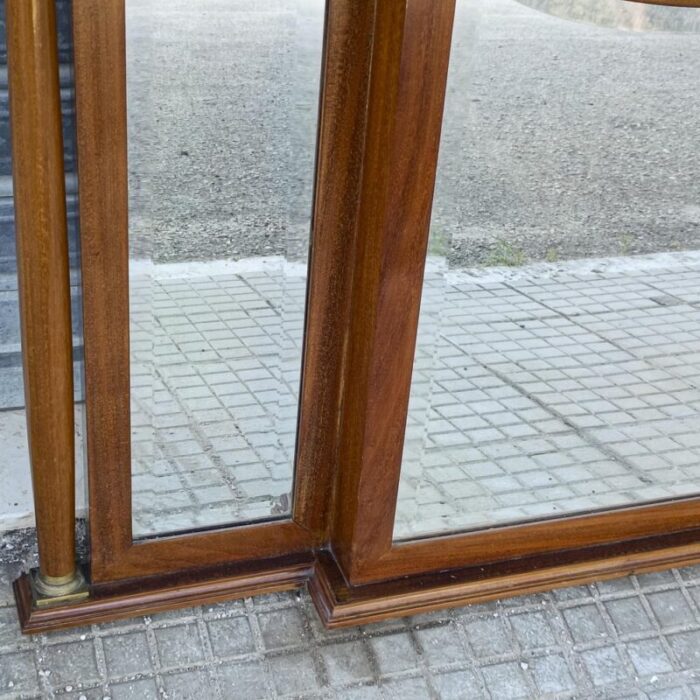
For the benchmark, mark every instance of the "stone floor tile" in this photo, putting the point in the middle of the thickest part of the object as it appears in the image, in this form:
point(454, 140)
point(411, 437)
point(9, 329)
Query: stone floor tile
point(126, 654)
point(604, 665)
point(294, 674)
point(346, 663)
point(282, 628)
point(183, 685)
point(143, 689)
point(179, 645)
point(69, 663)
point(18, 673)
point(506, 681)
point(230, 636)
point(551, 675)
point(394, 652)
point(243, 680)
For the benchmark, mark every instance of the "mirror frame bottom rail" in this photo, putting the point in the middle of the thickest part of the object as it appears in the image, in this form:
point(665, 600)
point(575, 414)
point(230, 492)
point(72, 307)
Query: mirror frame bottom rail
point(342, 605)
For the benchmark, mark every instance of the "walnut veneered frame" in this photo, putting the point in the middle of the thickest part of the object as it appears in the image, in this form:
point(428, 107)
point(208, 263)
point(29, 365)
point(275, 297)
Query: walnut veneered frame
point(383, 85)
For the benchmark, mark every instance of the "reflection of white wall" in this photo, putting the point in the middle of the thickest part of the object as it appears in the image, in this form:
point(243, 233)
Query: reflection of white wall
point(16, 500)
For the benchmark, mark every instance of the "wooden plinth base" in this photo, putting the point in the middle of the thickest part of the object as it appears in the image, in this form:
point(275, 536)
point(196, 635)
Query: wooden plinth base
point(156, 594)
point(342, 605)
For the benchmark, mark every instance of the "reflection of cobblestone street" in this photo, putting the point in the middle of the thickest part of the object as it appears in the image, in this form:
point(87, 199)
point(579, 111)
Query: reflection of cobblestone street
point(216, 357)
point(538, 392)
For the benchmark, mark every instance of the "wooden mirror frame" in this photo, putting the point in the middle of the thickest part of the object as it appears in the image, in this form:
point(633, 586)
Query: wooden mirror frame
point(382, 93)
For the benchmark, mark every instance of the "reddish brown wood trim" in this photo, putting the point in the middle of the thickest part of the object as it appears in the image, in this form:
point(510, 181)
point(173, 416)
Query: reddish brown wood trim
point(340, 605)
point(99, 37)
point(196, 550)
point(100, 93)
point(501, 543)
point(349, 28)
point(147, 596)
point(43, 271)
point(409, 73)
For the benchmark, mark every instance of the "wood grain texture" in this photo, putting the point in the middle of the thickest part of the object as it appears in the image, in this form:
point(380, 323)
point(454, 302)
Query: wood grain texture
point(341, 605)
point(341, 134)
point(100, 62)
point(43, 271)
point(148, 596)
point(503, 543)
point(409, 73)
point(100, 95)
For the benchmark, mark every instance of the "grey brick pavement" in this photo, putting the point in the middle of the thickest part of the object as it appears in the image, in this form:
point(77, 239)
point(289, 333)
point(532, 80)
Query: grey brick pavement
point(637, 637)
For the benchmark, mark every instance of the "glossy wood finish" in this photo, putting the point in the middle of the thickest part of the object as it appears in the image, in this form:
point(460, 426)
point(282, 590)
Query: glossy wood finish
point(149, 596)
point(44, 282)
point(100, 65)
point(100, 94)
point(341, 137)
point(341, 605)
point(384, 76)
point(409, 75)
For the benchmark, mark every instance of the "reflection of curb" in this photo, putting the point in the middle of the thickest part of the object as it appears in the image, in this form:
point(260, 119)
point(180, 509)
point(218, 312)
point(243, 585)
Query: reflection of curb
point(273, 264)
point(16, 502)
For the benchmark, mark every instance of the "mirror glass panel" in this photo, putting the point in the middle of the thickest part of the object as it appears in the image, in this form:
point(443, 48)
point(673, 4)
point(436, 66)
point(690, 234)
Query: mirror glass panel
point(222, 114)
point(558, 359)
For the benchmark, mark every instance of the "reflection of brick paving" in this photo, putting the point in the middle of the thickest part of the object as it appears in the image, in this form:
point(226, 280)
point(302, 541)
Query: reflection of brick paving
point(537, 391)
point(552, 389)
point(216, 357)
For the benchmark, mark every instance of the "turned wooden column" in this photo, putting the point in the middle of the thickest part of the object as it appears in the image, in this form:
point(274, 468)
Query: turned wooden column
point(44, 285)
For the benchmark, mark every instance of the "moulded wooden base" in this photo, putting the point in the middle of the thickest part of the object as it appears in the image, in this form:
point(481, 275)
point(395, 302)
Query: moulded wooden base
point(158, 593)
point(342, 605)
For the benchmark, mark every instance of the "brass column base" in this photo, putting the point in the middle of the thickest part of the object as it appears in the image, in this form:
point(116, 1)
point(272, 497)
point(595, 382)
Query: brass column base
point(47, 590)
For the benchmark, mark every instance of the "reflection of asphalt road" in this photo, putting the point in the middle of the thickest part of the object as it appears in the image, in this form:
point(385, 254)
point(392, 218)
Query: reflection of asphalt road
point(565, 138)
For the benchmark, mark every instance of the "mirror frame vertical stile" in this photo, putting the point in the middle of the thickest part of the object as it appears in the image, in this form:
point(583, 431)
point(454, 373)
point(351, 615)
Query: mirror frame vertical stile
point(383, 86)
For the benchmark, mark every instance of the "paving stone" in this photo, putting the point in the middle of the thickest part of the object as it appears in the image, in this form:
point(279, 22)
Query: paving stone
point(282, 628)
point(69, 663)
point(604, 665)
point(127, 654)
point(505, 680)
point(346, 663)
point(242, 680)
point(294, 674)
point(456, 685)
point(628, 615)
point(144, 689)
point(18, 673)
point(585, 623)
point(394, 652)
point(552, 675)
point(179, 645)
point(686, 647)
point(184, 685)
point(670, 608)
point(649, 657)
point(230, 636)
point(487, 637)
